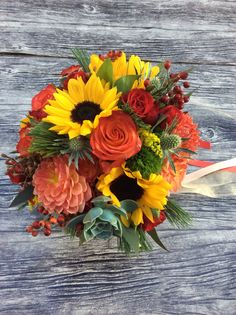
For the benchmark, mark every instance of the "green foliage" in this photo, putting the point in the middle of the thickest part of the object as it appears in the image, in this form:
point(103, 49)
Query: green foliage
point(48, 143)
point(125, 83)
point(138, 121)
point(105, 72)
point(22, 197)
point(170, 160)
point(82, 57)
point(145, 161)
point(176, 215)
point(134, 241)
point(71, 226)
point(153, 234)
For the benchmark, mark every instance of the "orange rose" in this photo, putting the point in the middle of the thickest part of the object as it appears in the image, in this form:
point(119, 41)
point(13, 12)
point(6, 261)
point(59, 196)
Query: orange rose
point(41, 99)
point(115, 140)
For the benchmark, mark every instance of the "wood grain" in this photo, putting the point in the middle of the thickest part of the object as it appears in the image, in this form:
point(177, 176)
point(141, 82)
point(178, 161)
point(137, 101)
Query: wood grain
point(55, 275)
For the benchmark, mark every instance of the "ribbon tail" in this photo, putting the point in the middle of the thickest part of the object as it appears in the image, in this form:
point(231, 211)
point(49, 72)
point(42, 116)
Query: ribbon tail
point(215, 180)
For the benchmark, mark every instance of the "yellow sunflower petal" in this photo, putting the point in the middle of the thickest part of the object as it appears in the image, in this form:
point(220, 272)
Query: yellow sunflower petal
point(76, 90)
point(55, 120)
point(74, 133)
point(110, 99)
point(86, 127)
point(51, 110)
point(63, 101)
point(137, 216)
point(148, 213)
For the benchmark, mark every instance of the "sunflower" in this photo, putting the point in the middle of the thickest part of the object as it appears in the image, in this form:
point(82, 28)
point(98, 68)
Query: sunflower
point(77, 111)
point(121, 184)
point(122, 67)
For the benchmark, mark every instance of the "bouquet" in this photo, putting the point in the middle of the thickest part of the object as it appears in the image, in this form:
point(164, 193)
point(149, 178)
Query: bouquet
point(100, 153)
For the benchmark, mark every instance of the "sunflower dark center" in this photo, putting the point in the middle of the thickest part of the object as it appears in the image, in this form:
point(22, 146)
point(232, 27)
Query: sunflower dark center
point(124, 187)
point(85, 111)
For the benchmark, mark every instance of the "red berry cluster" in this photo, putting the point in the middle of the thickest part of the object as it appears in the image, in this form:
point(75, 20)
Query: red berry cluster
point(112, 54)
point(175, 96)
point(45, 225)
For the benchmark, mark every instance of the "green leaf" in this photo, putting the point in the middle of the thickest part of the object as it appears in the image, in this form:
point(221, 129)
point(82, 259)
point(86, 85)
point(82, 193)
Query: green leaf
point(155, 237)
point(72, 225)
point(82, 57)
point(170, 161)
point(159, 121)
point(23, 196)
point(76, 220)
point(93, 214)
point(125, 83)
point(129, 205)
point(131, 236)
point(105, 72)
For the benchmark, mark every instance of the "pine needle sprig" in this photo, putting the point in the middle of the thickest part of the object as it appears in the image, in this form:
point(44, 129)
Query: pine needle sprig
point(82, 57)
point(176, 215)
point(46, 142)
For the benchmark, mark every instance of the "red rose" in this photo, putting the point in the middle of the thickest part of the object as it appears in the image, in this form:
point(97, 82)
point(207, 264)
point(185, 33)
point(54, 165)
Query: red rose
point(24, 143)
point(143, 105)
point(171, 113)
point(41, 99)
point(148, 225)
point(38, 114)
point(73, 72)
point(115, 139)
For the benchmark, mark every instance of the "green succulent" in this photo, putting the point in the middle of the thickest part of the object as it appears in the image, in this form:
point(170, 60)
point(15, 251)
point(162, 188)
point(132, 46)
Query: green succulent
point(101, 223)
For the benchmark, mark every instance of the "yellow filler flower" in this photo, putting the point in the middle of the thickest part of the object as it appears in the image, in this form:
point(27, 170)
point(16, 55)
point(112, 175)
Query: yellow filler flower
point(121, 184)
point(123, 67)
point(77, 111)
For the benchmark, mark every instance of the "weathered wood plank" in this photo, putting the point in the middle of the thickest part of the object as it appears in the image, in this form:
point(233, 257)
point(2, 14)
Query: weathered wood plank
point(186, 31)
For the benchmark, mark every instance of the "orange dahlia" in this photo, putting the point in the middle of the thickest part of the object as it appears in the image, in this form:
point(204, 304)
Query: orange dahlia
point(59, 186)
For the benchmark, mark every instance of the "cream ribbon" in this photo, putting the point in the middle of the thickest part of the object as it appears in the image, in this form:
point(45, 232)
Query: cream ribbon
point(212, 181)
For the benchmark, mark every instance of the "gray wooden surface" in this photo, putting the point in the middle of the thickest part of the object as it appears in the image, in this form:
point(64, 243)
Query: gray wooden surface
point(55, 275)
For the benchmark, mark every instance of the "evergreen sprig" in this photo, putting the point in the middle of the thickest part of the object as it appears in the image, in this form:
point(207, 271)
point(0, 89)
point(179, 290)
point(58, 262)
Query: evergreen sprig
point(176, 215)
point(48, 143)
point(82, 57)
